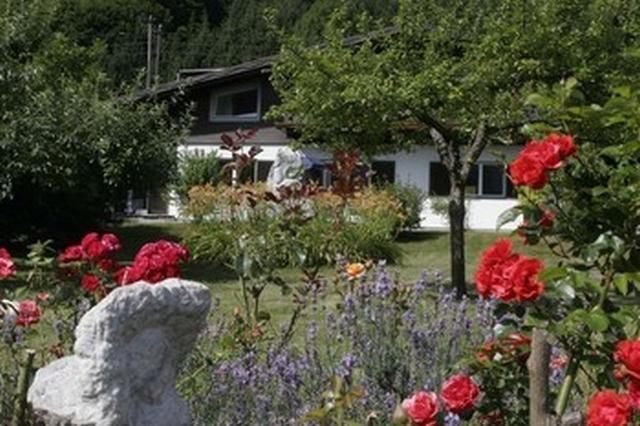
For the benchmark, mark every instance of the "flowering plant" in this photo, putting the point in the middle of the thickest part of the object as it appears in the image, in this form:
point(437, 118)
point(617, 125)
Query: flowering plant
point(579, 196)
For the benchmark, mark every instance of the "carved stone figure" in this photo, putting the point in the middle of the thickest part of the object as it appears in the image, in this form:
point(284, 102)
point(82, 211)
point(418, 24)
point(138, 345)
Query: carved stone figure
point(126, 356)
point(286, 170)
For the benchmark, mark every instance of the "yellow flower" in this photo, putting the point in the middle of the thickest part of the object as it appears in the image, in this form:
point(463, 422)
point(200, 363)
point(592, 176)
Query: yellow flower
point(355, 270)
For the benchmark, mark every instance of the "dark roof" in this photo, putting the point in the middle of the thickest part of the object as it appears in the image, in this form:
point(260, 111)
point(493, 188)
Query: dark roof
point(246, 68)
point(254, 66)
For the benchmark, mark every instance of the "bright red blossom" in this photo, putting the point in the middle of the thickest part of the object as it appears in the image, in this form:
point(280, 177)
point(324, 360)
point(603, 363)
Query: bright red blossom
point(92, 247)
point(460, 393)
point(608, 408)
point(7, 267)
point(524, 276)
point(628, 354)
point(633, 389)
point(91, 283)
point(508, 276)
point(532, 166)
point(71, 254)
point(28, 313)
point(154, 263)
point(422, 408)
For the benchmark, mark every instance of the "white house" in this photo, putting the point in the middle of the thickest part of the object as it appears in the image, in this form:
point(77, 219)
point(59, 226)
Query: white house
point(224, 100)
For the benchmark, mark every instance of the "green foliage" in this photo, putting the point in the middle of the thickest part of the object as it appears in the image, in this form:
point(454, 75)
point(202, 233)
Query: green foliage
point(412, 199)
point(195, 170)
point(591, 294)
point(68, 146)
point(297, 231)
point(460, 64)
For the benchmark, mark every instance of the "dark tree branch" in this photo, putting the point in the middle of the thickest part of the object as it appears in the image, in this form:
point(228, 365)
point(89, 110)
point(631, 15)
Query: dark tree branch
point(476, 147)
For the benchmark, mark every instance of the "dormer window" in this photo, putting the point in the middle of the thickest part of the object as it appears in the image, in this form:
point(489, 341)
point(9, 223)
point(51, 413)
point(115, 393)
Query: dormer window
point(239, 104)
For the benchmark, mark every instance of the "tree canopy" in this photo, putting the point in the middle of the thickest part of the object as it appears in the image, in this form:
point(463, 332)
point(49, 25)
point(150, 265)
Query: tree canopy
point(457, 74)
point(70, 148)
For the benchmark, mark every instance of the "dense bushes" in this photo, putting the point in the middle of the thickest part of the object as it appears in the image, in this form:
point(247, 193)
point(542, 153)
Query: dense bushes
point(412, 200)
point(69, 147)
point(195, 170)
point(304, 226)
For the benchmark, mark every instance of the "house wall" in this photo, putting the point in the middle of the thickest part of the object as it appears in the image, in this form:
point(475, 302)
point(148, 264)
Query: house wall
point(412, 168)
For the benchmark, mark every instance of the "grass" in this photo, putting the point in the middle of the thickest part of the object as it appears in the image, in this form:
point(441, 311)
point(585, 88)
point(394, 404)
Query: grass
point(421, 251)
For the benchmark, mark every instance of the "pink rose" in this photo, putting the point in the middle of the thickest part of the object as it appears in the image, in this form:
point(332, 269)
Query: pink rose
point(422, 408)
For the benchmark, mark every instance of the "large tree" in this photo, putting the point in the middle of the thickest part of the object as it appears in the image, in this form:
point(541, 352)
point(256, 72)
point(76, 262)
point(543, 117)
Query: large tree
point(455, 74)
point(69, 147)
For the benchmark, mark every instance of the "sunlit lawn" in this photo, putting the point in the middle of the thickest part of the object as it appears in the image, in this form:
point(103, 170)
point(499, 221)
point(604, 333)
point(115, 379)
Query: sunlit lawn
point(422, 251)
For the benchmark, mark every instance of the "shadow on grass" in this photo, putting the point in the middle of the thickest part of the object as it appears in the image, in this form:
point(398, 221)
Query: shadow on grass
point(209, 272)
point(418, 236)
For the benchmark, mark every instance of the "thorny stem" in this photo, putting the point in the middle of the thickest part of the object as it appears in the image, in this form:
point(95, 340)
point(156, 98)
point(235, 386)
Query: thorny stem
point(574, 363)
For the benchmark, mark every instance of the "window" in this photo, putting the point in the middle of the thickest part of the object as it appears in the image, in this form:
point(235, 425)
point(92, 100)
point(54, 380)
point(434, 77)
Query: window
point(384, 172)
point(493, 180)
point(438, 179)
point(485, 180)
point(261, 172)
point(239, 104)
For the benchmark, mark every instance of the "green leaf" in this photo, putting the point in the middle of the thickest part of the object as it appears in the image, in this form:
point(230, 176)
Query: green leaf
point(622, 283)
point(553, 274)
point(508, 216)
point(597, 320)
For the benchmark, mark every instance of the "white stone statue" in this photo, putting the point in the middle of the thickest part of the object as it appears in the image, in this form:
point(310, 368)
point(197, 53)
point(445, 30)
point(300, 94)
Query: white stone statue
point(126, 356)
point(287, 169)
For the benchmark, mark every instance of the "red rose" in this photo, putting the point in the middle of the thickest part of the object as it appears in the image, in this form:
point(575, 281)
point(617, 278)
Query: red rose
point(107, 265)
point(92, 246)
point(459, 393)
point(523, 275)
point(422, 408)
point(549, 155)
point(532, 165)
point(110, 242)
point(490, 268)
point(564, 144)
point(628, 353)
point(7, 267)
point(28, 313)
point(71, 254)
point(528, 168)
point(91, 283)
point(633, 388)
point(507, 275)
point(609, 408)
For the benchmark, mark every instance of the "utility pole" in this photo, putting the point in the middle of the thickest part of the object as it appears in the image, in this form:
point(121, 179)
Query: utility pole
point(149, 50)
point(158, 43)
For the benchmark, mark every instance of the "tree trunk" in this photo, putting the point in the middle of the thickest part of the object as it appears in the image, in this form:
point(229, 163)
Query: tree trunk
point(456, 235)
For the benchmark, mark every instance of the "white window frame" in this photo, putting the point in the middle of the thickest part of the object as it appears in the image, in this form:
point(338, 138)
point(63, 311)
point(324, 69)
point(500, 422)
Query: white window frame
point(481, 193)
point(245, 118)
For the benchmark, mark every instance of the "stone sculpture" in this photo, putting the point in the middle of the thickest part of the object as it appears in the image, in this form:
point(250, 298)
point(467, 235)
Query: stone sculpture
point(287, 169)
point(126, 356)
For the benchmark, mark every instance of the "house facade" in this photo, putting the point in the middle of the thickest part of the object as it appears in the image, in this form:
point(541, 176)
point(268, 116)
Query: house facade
point(224, 100)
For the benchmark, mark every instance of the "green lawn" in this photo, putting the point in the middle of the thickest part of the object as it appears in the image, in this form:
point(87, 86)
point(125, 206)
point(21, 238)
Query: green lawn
point(423, 250)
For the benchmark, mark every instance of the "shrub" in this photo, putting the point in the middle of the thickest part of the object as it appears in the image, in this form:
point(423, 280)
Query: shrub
point(196, 170)
point(313, 227)
point(412, 199)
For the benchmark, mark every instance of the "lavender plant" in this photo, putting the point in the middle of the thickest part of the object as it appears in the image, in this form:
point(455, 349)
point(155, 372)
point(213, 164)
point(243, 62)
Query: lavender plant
point(356, 359)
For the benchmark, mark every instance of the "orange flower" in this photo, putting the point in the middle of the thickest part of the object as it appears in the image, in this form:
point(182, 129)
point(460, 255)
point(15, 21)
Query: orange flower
point(355, 270)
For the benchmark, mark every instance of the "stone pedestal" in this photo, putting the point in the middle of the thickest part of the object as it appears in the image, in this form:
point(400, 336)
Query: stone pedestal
point(126, 356)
